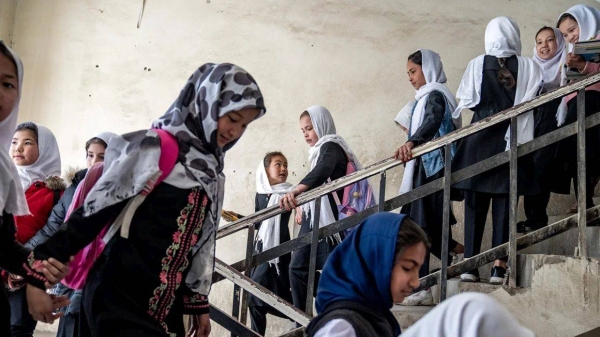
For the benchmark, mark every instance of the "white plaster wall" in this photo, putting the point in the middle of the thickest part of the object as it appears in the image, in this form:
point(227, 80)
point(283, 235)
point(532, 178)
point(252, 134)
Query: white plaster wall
point(89, 69)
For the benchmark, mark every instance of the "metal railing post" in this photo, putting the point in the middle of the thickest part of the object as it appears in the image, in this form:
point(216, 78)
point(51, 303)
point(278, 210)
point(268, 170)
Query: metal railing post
point(249, 256)
point(581, 174)
point(513, 204)
point(382, 180)
point(312, 267)
point(235, 308)
point(446, 223)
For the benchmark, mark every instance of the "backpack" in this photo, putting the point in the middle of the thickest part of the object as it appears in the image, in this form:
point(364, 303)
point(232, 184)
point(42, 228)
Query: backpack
point(357, 197)
point(85, 259)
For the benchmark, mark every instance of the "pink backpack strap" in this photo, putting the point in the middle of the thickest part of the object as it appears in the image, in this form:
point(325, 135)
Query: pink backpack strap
point(169, 151)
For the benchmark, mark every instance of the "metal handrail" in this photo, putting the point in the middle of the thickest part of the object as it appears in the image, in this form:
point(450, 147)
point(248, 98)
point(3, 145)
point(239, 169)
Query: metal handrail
point(418, 151)
point(233, 272)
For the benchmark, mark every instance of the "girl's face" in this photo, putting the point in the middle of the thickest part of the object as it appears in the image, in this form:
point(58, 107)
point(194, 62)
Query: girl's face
point(9, 88)
point(233, 125)
point(310, 135)
point(570, 30)
point(405, 275)
point(24, 148)
point(95, 154)
point(415, 75)
point(545, 44)
point(277, 171)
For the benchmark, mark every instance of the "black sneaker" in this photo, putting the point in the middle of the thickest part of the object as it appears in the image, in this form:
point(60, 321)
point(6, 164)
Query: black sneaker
point(470, 276)
point(522, 227)
point(498, 274)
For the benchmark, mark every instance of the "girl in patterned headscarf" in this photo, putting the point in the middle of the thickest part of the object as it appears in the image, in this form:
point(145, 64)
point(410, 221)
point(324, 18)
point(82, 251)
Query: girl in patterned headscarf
point(144, 284)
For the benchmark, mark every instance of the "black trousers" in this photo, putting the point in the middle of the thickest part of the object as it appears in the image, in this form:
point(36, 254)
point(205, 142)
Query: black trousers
point(258, 317)
point(299, 270)
point(477, 205)
point(435, 237)
point(22, 323)
point(535, 207)
point(4, 313)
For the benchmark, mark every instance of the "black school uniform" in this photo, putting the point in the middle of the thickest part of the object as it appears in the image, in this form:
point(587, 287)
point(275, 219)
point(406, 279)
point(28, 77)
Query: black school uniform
point(492, 185)
point(428, 211)
point(137, 287)
point(567, 149)
point(332, 163)
point(266, 274)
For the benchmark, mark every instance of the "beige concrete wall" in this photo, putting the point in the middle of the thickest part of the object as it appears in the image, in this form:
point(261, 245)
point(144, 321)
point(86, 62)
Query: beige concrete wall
point(7, 20)
point(89, 69)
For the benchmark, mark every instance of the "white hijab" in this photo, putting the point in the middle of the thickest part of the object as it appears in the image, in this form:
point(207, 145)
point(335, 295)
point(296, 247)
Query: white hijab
point(12, 198)
point(47, 164)
point(105, 136)
point(324, 126)
point(553, 72)
point(403, 117)
point(502, 39)
point(468, 315)
point(588, 19)
point(269, 232)
point(435, 77)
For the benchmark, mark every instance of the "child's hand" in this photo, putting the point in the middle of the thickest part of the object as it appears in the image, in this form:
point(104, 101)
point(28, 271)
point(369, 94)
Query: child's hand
point(575, 61)
point(288, 201)
point(55, 271)
point(404, 152)
point(42, 306)
point(298, 216)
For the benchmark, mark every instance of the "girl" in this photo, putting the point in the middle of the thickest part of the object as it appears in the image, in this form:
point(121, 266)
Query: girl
point(492, 83)
point(431, 118)
point(550, 54)
point(328, 156)
point(581, 23)
point(150, 276)
point(35, 152)
point(95, 148)
point(12, 198)
point(376, 266)
point(271, 184)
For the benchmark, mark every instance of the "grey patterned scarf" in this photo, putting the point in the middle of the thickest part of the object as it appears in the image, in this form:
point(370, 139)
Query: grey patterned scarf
point(131, 160)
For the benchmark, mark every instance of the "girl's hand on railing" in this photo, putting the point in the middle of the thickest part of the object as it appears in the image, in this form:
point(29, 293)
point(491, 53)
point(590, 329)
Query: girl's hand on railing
point(288, 201)
point(298, 216)
point(404, 152)
point(575, 61)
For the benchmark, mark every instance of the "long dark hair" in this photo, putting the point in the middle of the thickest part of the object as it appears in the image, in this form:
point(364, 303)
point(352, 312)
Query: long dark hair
point(416, 58)
point(505, 77)
point(564, 17)
point(95, 140)
point(409, 235)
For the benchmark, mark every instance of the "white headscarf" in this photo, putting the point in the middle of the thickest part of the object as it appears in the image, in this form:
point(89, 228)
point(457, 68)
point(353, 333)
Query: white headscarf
point(588, 19)
point(105, 136)
point(132, 160)
point(553, 72)
point(12, 198)
point(48, 162)
point(435, 77)
point(502, 39)
point(269, 232)
point(324, 126)
point(468, 315)
point(403, 117)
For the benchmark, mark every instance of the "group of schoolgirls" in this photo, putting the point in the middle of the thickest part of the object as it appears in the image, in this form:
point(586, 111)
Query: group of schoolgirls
point(492, 83)
point(163, 212)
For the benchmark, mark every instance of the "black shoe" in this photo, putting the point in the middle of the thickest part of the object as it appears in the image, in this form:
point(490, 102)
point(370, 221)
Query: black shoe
point(498, 274)
point(470, 276)
point(522, 227)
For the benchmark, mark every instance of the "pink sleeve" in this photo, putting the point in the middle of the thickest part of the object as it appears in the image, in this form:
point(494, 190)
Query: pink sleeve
point(591, 68)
